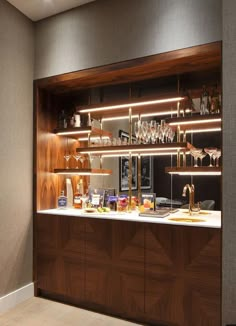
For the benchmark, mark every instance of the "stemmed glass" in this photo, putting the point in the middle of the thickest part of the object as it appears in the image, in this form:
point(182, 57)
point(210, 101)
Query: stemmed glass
point(91, 158)
point(137, 130)
point(202, 155)
point(210, 151)
point(216, 156)
point(144, 130)
point(196, 153)
point(67, 158)
point(153, 130)
point(77, 158)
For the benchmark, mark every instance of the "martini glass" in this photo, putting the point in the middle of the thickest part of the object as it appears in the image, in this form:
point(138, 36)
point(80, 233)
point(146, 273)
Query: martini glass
point(77, 158)
point(67, 158)
point(210, 151)
point(202, 155)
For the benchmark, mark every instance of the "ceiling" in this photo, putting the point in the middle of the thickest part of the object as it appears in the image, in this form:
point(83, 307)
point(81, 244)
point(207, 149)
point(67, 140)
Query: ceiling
point(39, 9)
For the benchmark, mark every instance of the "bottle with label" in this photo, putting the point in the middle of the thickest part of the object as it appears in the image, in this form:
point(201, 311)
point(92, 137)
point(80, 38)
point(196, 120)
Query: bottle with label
point(78, 202)
point(62, 201)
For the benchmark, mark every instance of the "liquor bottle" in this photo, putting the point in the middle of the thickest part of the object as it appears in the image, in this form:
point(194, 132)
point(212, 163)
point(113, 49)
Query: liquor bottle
point(62, 122)
point(62, 201)
point(78, 202)
point(69, 193)
point(204, 101)
point(215, 106)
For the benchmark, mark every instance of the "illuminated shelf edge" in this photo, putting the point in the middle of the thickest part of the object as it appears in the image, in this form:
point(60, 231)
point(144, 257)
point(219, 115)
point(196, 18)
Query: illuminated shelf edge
point(197, 171)
point(85, 171)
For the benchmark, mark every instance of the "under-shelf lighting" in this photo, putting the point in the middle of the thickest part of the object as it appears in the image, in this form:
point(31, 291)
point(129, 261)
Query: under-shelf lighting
point(196, 173)
point(131, 105)
point(144, 115)
point(93, 138)
point(179, 123)
point(81, 173)
point(74, 132)
point(144, 154)
point(133, 150)
point(189, 131)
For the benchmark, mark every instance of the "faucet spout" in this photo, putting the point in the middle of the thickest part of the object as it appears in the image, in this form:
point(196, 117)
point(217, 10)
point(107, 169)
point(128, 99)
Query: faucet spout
point(191, 190)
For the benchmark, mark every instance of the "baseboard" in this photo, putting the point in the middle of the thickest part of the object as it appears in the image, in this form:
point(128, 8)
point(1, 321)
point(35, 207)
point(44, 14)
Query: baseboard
point(12, 299)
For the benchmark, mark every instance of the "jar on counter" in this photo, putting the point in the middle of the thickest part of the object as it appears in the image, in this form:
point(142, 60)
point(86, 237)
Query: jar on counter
point(122, 204)
point(112, 203)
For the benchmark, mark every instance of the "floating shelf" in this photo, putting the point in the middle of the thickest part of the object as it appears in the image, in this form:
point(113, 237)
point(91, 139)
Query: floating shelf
point(73, 131)
point(203, 170)
point(197, 123)
point(85, 171)
point(135, 149)
point(144, 106)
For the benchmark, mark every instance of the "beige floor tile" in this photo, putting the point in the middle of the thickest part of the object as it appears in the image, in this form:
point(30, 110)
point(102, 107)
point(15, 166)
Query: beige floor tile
point(40, 312)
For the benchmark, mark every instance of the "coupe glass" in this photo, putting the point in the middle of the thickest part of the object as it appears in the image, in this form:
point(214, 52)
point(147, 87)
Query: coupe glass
point(202, 155)
point(67, 158)
point(217, 156)
point(210, 151)
point(196, 153)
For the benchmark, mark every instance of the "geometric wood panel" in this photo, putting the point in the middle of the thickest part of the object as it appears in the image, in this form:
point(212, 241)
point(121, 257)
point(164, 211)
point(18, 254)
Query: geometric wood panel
point(98, 286)
point(47, 231)
point(98, 244)
point(128, 269)
point(183, 275)
point(75, 278)
point(73, 235)
point(49, 274)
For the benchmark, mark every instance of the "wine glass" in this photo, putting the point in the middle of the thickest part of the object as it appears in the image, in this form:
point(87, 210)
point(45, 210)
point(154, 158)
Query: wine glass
point(77, 157)
point(153, 130)
point(67, 158)
point(195, 152)
point(137, 130)
point(210, 151)
point(91, 158)
point(144, 130)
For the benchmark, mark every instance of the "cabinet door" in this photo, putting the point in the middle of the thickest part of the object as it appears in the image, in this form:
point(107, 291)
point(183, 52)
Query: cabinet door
point(49, 275)
point(73, 256)
point(98, 262)
point(182, 280)
point(128, 269)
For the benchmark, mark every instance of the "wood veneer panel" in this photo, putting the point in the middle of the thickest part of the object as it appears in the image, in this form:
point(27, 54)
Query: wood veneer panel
point(202, 57)
point(128, 269)
point(183, 275)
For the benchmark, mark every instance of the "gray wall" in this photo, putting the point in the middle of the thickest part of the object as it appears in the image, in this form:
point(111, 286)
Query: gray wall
point(229, 162)
point(108, 31)
point(16, 107)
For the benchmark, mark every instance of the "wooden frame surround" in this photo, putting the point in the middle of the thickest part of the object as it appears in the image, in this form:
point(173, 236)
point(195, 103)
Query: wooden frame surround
point(154, 274)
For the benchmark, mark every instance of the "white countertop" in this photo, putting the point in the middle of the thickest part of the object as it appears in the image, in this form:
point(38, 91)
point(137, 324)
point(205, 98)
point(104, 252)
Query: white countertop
point(212, 219)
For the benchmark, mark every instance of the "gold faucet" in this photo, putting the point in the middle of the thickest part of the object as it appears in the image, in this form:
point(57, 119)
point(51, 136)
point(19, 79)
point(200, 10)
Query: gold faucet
point(192, 207)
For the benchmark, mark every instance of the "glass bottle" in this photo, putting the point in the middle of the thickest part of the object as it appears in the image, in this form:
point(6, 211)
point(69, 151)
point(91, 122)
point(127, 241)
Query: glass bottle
point(215, 101)
point(204, 101)
point(78, 202)
point(62, 201)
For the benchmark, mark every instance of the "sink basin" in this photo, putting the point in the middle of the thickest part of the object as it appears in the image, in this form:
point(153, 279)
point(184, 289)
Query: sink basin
point(186, 219)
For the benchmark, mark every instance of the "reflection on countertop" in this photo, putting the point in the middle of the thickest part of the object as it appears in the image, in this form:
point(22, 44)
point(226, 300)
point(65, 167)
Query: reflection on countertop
point(209, 219)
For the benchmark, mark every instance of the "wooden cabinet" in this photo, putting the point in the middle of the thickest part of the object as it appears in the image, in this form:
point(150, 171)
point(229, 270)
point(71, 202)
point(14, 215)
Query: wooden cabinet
point(183, 275)
point(150, 273)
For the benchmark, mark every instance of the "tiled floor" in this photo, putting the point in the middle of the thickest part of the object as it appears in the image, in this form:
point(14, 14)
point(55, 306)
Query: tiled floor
point(40, 312)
